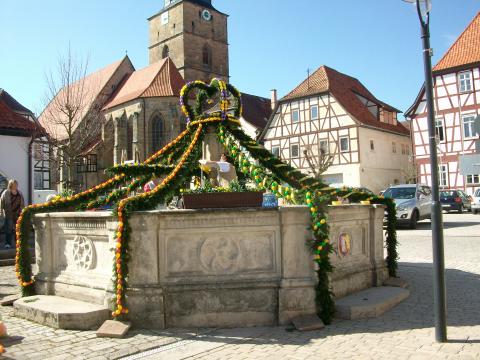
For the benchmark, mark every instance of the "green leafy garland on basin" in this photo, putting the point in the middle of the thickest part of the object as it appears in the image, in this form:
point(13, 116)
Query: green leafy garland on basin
point(177, 163)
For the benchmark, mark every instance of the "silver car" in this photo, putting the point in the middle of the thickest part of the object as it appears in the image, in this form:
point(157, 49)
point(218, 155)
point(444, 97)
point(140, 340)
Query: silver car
point(476, 202)
point(413, 202)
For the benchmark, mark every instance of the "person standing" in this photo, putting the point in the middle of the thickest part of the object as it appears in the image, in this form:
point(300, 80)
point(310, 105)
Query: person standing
point(11, 205)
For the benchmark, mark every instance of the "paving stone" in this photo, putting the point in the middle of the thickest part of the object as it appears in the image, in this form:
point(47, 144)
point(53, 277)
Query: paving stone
point(113, 329)
point(9, 299)
point(308, 323)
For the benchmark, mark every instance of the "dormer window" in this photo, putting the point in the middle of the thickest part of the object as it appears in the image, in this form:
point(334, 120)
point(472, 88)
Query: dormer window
point(465, 81)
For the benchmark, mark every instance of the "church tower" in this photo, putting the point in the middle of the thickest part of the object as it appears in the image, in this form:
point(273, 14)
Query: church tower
point(194, 35)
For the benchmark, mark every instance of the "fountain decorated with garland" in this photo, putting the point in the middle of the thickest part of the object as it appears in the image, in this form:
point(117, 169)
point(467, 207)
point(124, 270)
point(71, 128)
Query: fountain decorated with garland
point(176, 164)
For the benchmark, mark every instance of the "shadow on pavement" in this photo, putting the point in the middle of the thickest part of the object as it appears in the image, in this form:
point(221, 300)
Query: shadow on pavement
point(416, 312)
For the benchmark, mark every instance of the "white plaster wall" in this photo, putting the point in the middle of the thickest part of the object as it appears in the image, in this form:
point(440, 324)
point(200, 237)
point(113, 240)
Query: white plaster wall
point(249, 129)
point(350, 172)
point(14, 160)
point(380, 167)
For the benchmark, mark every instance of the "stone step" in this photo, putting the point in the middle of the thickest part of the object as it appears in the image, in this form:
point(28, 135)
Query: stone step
point(370, 303)
point(61, 313)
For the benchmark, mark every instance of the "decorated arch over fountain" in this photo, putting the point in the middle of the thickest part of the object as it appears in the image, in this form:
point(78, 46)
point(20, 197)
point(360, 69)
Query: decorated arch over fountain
point(131, 225)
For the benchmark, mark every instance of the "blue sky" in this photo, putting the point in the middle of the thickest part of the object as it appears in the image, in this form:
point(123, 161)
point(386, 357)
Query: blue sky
point(272, 42)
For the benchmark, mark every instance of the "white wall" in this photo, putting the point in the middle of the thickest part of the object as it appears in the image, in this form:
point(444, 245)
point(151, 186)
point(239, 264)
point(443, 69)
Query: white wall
point(14, 160)
point(248, 128)
point(348, 173)
point(381, 166)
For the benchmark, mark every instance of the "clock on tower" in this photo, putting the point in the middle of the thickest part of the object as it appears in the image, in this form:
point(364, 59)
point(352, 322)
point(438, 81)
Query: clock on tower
point(193, 33)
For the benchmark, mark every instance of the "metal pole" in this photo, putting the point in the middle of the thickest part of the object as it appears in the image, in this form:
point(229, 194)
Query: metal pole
point(436, 217)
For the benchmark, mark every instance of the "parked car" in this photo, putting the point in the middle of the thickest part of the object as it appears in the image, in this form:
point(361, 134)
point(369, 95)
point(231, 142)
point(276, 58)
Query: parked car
point(455, 200)
point(413, 202)
point(475, 204)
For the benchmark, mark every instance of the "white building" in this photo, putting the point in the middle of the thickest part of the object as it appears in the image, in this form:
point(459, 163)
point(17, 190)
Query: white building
point(333, 113)
point(457, 103)
point(18, 131)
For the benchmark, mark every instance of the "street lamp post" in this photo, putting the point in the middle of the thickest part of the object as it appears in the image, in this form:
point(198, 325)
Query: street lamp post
point(436, 217)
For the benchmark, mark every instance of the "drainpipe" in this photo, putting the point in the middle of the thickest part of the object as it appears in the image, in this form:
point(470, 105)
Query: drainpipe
point(30, 173)
point(144, 131)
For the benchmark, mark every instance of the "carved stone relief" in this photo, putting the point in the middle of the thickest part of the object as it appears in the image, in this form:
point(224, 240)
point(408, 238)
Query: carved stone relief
point(83, 253)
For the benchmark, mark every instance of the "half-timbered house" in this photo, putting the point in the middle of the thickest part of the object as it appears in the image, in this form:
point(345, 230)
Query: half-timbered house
point(457, 103)
point(333, 113)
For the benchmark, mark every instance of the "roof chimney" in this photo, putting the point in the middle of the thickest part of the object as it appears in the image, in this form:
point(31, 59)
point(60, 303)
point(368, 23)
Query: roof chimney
point(274, 98)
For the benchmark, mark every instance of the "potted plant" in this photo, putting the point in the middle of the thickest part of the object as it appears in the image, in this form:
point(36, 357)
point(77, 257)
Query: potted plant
point(236, 195)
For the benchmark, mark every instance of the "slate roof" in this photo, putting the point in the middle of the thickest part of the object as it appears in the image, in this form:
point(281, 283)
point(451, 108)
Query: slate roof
point(344, 88)
point(256, 110)
point(54, 120)
point(160, 79)
point(465, 50)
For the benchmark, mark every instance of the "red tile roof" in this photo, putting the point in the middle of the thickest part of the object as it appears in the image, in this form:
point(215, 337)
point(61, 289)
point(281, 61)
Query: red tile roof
point(13, 104)
point(88, 90)
point(10, 120)
point(343, 88)
point(465, 50)
point(157, 80)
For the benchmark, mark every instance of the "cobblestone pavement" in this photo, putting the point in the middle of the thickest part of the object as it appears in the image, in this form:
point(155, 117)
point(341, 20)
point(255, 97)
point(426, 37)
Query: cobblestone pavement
point(406, 332)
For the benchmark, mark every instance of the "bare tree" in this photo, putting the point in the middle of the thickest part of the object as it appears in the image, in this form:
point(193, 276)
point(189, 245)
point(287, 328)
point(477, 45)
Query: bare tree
point(72, 115)
point(318, 164)
point(410, 172)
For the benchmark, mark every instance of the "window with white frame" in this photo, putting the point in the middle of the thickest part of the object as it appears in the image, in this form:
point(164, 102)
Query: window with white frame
point(403, 149)
point(465, 81)
point(344, 143)
point(440, 130)
point(394, 147)
point(468, 126)
point(323, 146)
point(314, 112)
point(295, 115)
point(294, 151)
point(443, 175)
point(276, 151)
point(473, 179)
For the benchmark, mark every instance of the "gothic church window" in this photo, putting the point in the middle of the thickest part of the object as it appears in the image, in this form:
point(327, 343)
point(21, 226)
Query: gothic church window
point(158, 133)
point(207, 56)
point(130, 140)
point(165, 52)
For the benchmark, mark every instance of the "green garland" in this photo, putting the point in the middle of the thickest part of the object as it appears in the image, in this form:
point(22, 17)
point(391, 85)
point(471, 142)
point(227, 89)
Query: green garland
point(177, 163)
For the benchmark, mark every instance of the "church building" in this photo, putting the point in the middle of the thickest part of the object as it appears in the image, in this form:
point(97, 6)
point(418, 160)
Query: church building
point(139, 110)
point(194, 35)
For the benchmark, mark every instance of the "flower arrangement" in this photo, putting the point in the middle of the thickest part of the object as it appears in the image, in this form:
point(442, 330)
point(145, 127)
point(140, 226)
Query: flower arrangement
point(177, 164)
